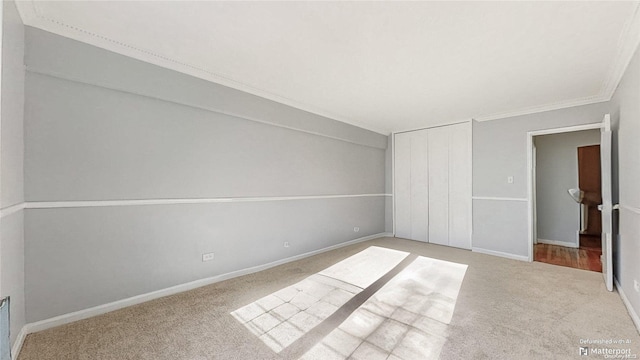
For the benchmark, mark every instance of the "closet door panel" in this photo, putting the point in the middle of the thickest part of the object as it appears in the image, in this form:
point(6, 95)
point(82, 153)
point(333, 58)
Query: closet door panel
point(402, 184)
point(438, 159)
point(419, 186)
point(460, 186)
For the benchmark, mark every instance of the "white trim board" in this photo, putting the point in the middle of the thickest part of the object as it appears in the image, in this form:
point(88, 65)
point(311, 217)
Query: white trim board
point(119, 304)
point(558, 243)
point(12, 209)
point(565, 129)
point(493, 198)
point(634, 315)
point(546, 107)
point(17, 345)
point(500, 254)
point(101, 203)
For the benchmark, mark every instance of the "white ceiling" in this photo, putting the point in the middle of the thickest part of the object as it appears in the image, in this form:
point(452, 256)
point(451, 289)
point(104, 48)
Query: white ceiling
point(384, 66)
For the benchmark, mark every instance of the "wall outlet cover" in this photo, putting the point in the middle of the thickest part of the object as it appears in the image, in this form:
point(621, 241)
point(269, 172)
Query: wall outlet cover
point(207, 257)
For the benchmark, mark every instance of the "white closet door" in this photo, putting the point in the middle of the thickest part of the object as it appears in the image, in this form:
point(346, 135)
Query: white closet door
point(438, 158)
point(419, 187)
point(460, 185)
point(402, 184)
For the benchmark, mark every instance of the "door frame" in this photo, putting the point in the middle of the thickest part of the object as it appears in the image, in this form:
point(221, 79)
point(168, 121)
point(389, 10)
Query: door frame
point(531, 205)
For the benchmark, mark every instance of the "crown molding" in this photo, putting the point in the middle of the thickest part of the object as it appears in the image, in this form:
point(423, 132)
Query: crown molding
point(32, 17)
point(546, 107)
point(627, 46)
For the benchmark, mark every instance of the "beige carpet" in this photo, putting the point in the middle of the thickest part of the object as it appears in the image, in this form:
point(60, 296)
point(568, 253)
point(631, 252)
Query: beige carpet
point(505, 309)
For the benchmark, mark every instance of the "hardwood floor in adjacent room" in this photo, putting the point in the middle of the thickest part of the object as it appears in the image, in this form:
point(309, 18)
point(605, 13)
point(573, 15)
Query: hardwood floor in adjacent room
point(582, 258)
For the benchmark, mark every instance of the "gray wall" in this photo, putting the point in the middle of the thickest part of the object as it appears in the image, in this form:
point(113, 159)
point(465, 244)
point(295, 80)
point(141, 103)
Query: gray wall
point(85, 142)
point(499, 151)
point(100, 126)
point(625, 115)
point(11, 226)
point(557, 171)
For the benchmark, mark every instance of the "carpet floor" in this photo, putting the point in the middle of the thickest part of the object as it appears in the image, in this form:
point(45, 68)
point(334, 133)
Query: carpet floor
point(504, 309)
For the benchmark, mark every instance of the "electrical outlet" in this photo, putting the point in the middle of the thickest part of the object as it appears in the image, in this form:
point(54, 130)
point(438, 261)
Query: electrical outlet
point(509, 179)
point(636, 285)
point(356, 229)
point(286, 244)
point(207, 257)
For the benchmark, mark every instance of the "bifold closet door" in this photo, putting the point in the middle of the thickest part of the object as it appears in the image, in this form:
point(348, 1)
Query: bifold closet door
point(438, 159)
point(402, 184)
point(419, 187)
point(411, 185)
point(460, 185)
point(433, 185)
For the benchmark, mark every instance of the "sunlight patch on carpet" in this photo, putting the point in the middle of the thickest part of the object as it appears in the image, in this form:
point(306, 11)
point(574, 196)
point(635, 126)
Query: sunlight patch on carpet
point(406, 319)
point(283, 317)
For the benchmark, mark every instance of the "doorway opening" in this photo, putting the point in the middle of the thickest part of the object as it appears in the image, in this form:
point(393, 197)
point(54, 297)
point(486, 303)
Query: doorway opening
point(606, 208)
point(567, 190)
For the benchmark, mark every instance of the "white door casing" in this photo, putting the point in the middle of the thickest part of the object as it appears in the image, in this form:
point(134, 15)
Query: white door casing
point(607, 205)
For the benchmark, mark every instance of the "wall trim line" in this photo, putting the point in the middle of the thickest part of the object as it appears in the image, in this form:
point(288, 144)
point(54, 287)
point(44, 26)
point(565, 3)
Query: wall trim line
point(102, 203)
point(134, 300)
point(12, 209)
point(500, 254)
point(497, 198)
point(588, 100)
point(632, 312)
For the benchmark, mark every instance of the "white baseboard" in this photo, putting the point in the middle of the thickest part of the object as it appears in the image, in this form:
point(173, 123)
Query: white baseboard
point(558, 243)
point(17, 345)
point(500, 254)
point(627, 303)
point(105, 308)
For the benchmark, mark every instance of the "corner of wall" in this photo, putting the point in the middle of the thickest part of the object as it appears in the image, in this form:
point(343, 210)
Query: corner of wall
point(12, 169)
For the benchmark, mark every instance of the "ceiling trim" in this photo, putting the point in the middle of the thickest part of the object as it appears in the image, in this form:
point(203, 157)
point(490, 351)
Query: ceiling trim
point(542, 108)
point(31, 17)
point(627, 44)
